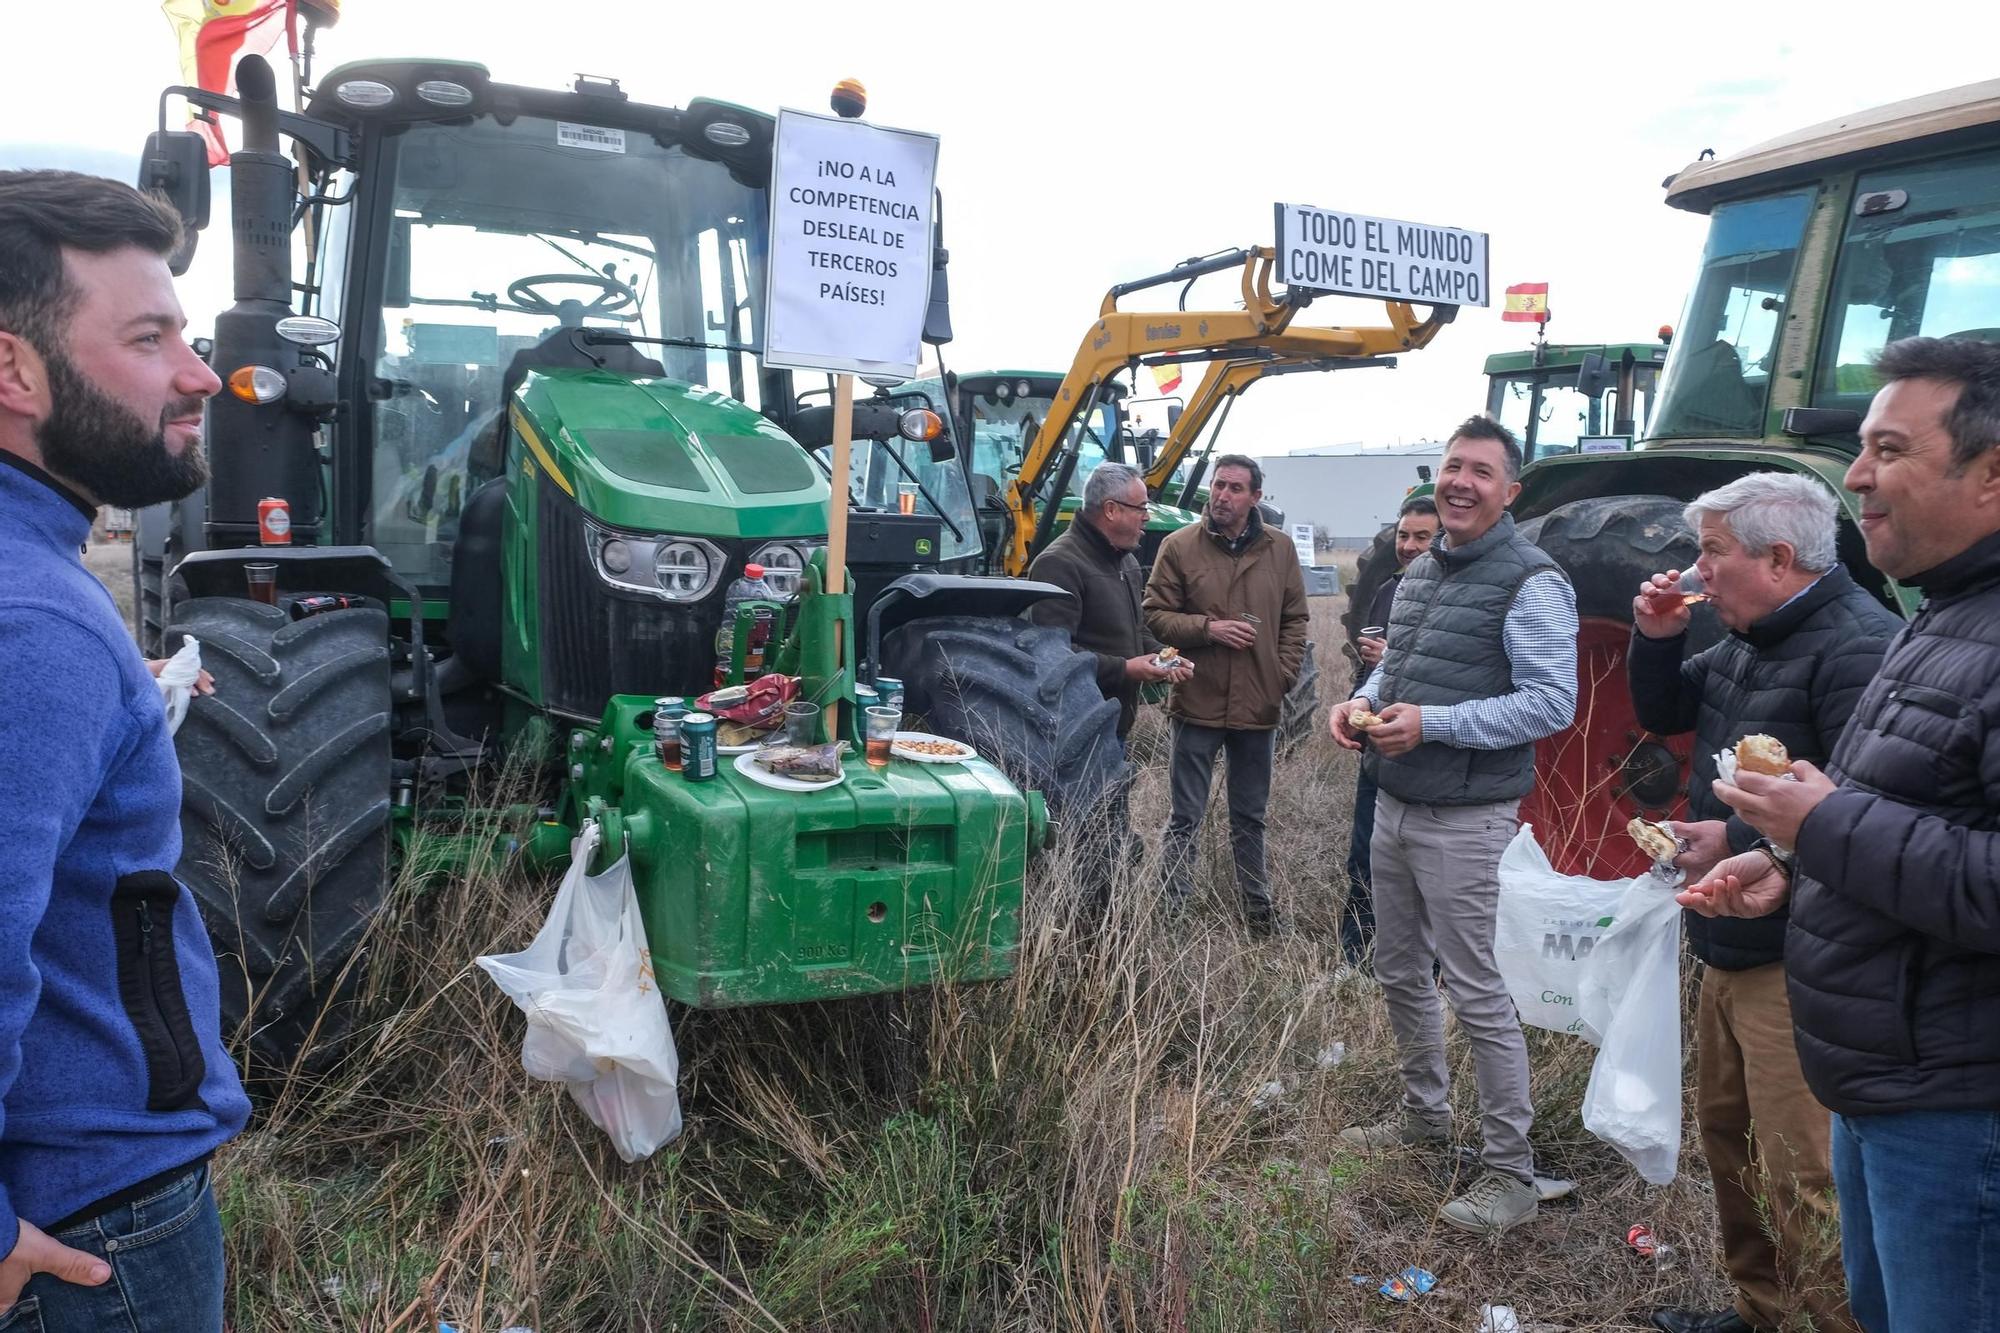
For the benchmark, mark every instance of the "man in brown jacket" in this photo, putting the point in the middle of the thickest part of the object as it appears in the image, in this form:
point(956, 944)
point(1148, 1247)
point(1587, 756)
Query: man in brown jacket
point(1228, 593)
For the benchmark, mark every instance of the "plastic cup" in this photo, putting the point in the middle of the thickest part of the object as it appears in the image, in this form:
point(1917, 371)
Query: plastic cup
point(802, 723)
point(906, 497)
point(883, 723)
point(1374, 631)
point(1691, 588)
point(261, 576)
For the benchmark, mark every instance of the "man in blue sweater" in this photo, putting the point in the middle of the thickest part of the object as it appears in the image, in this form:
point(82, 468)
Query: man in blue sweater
point(115, 1087)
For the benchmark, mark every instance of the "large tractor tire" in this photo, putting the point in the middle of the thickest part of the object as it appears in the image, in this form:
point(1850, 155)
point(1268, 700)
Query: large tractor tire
point(1020, 694)
point(1595, 775)
point(1301, 704)
point(285, 813)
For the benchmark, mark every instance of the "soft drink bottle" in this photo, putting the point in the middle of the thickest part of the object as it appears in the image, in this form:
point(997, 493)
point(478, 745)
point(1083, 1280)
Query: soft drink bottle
point(750, 588)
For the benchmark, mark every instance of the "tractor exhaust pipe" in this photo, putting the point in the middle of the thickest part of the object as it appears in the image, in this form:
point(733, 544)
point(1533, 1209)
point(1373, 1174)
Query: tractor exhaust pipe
point(261, 186)
point(258, 449)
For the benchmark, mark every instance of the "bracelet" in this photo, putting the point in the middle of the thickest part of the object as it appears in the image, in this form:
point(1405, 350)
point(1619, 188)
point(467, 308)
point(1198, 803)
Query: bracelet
point(1779, 862)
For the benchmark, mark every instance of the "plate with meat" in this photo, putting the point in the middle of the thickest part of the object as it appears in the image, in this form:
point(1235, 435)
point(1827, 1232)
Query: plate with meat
point(794, 767)
point(923, 748)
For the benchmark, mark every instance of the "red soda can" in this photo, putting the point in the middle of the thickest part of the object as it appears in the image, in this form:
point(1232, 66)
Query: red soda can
point(274, 522)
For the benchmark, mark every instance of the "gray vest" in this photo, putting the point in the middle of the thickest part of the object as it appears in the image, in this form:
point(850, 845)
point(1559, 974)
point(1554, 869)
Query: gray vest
point(1446, 647)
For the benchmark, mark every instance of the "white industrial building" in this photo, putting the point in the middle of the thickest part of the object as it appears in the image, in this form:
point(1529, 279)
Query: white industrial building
point(1348, 492)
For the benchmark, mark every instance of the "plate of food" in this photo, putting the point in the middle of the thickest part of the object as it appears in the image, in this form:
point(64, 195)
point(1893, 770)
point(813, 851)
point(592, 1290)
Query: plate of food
point(794, 767)
point(923, 748)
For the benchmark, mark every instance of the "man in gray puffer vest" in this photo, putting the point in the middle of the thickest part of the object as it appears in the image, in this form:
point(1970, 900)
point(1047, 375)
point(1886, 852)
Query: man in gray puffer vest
point(1804, 641)
point(1481, 664)
point(1893, 953)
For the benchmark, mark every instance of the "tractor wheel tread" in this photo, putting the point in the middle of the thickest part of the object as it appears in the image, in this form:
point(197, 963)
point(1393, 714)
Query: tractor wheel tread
point(285, 821)
point(1021, 694)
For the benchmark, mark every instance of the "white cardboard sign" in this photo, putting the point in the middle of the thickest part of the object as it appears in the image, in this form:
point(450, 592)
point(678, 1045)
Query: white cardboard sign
point(1353, 254)
point(850, 270)
point(1302, 538)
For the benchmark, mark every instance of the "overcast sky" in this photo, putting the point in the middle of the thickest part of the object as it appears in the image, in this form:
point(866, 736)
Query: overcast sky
point(1084, 144)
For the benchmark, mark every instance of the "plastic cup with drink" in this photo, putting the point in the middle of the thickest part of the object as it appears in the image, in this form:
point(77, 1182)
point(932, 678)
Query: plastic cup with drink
point(883, 723)
point(261, 577)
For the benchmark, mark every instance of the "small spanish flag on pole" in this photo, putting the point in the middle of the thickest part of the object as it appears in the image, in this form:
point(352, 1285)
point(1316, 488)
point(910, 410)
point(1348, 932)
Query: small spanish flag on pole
point(1168, 377)
point(1527, 303)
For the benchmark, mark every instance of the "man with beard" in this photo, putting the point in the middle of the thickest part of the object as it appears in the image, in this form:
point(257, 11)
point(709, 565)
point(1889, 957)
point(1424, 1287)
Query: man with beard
point(1229, 594)
point(115, 1087)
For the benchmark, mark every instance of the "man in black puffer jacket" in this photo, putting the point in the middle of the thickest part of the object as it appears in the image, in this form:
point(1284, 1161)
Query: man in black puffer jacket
point(1804, 640)
point(1894, 946)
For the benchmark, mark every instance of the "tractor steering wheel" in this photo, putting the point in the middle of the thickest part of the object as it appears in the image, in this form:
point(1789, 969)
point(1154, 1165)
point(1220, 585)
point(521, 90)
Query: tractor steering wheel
point(615, 299)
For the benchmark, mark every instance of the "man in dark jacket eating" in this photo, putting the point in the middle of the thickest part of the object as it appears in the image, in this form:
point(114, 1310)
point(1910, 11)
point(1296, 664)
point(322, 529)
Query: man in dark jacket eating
point(1804, 641)
point(1893, 951)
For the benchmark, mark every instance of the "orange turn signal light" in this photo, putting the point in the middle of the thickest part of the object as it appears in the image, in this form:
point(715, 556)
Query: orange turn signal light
point(257, 384)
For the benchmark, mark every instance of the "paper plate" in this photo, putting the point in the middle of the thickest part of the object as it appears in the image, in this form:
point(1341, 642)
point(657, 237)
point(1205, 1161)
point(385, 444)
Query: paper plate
point(747, 765)
point(898, 749)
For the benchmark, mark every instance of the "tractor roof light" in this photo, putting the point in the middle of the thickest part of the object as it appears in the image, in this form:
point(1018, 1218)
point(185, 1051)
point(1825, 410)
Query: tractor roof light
point(257, 384)
point(920, 423)
point(365, 94)
point(725, 133)
point(308, 330)
point(444, 93)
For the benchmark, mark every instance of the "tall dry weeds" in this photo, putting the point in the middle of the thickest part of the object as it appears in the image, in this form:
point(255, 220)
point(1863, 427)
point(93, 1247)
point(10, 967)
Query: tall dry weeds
point(1136, 1131)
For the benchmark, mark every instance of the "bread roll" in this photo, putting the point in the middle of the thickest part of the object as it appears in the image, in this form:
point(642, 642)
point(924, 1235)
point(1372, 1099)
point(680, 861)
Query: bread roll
point(1364, 720)
point(1653, 840)
point(1763, 754)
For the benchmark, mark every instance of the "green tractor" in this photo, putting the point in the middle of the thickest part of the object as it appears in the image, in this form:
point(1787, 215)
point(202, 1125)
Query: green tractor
point(1822, 246)
point(496, 349)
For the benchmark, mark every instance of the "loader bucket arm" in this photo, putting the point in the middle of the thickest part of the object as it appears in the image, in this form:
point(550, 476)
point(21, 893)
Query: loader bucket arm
point(1261, 335)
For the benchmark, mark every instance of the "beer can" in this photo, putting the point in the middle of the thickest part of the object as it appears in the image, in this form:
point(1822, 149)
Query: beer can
point(274, 522)
point(865, 698)
point(698, 747)
point(891, 691)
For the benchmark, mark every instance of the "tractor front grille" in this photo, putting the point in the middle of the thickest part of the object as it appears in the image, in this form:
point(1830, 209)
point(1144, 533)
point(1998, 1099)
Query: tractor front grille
point(597, 641)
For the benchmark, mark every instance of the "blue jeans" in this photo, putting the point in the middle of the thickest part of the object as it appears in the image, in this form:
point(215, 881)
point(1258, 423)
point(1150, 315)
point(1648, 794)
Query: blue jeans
point(1920, 1219)
point(165, 1252)
point(1357, 919)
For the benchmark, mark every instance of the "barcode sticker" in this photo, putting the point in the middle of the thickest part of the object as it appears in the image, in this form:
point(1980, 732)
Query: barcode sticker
point(590, 136)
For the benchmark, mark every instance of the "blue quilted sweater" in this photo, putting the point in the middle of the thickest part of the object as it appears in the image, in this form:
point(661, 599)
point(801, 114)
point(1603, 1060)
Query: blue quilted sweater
point(112, 1068)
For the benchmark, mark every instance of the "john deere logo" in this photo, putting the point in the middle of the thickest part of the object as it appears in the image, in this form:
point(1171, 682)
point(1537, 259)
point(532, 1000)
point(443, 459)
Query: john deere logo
point(923, 546)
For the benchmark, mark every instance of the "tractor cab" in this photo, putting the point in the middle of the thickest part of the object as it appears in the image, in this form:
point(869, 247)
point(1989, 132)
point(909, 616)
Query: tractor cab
point(1561, 398)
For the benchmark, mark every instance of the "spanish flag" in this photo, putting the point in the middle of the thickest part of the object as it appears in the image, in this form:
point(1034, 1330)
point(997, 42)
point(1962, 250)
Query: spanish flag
point(1168, 377)
point(214, 35)
point(1527, 303)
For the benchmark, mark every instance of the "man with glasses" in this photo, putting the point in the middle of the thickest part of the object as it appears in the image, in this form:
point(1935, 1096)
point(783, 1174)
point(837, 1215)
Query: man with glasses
point(1093, 561)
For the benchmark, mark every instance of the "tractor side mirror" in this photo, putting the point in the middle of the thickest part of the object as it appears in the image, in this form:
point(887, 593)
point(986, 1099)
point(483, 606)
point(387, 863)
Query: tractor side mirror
point(396, 274)
point(937, 315)
point(1593, 376)
point(175, 164)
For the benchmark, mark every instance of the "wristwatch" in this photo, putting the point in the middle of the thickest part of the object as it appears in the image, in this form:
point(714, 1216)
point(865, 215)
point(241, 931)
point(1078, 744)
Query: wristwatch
point(1781, 860)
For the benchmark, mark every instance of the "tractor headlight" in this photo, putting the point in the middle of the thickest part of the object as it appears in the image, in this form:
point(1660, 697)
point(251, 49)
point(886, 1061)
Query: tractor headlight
point(684, 570)
point(784, 565)
point(672, 568)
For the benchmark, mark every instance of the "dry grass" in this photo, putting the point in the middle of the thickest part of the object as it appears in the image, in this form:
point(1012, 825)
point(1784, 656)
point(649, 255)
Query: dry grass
point(1076, 1148)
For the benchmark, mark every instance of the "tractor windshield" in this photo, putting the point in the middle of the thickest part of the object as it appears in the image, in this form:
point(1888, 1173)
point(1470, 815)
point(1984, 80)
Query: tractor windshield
point(1921, 258)
point(1718, 376)
point(502, 242)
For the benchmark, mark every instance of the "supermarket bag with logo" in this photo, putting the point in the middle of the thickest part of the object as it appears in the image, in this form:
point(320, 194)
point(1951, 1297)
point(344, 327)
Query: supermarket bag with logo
point(1630, 998)
point(596, 1021)
point(1548, 926)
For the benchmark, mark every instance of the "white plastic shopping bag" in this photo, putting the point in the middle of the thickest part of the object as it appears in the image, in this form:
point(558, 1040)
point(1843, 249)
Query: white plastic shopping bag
point(1600, 959)
point(1631, 998)
point(596, 1021)
point(176, 681)
point(1548, 926)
